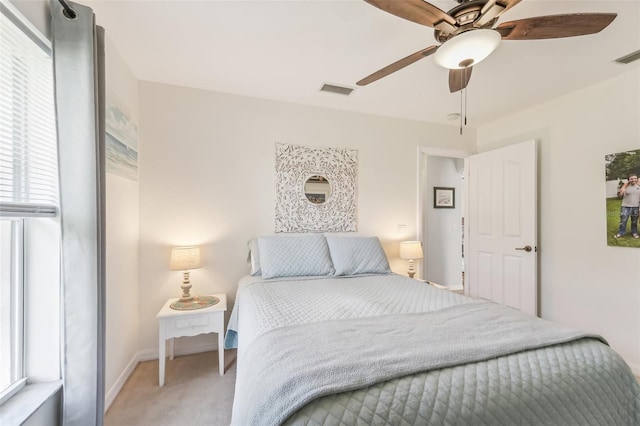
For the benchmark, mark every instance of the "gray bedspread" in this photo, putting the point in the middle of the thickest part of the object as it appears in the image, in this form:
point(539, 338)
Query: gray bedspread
point(386, 350)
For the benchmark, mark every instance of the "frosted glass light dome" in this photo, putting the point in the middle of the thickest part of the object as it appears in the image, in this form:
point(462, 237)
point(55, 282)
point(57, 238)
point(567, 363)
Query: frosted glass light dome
point(467, 49)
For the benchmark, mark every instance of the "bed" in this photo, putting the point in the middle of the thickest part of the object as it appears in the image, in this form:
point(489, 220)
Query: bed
point(327, 334)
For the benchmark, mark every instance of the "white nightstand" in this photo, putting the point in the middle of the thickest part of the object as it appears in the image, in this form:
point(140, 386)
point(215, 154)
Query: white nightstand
point(436, 285)
point(456, 289)
point(174, 323)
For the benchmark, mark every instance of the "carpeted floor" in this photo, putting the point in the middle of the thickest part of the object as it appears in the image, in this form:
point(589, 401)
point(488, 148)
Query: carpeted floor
point(194, 393)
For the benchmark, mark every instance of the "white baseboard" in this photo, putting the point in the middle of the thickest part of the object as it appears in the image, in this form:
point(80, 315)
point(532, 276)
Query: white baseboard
point(148, 355)
point(122, 379)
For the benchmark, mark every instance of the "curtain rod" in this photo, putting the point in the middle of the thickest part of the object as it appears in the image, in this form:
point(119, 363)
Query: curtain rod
point(68, 10)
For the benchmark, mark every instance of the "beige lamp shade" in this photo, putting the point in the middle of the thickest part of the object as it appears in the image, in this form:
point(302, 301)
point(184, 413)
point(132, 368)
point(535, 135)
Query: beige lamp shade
point(411, 250)
point(185, 258)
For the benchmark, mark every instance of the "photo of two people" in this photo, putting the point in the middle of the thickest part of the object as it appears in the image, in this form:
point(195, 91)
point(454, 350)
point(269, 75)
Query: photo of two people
point(623, 198)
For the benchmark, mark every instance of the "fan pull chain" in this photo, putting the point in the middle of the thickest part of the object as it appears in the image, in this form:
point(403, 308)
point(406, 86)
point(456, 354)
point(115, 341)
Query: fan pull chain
point(465, 106)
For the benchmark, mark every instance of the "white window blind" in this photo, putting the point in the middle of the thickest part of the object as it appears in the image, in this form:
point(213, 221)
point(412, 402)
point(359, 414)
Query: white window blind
point(28, 151)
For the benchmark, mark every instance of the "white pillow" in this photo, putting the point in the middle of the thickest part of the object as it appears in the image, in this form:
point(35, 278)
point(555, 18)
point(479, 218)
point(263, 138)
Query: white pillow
point(358, 255)
point(294, 255)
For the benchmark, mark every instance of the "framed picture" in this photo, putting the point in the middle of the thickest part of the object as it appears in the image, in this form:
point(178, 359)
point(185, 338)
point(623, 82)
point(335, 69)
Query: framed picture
point(444, 198)
point(622, 190)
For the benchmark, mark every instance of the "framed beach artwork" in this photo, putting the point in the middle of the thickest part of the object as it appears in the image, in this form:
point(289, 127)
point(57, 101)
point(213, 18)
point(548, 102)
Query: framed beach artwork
point(121, 144)
point(622, 190)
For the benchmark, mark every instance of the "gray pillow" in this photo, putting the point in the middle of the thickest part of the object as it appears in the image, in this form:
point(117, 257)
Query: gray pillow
point(294, 255)
point(254, 257)
point(358, 255)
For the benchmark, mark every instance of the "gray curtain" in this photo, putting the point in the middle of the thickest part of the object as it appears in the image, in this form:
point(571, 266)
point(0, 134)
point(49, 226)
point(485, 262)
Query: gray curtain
point(78, 57)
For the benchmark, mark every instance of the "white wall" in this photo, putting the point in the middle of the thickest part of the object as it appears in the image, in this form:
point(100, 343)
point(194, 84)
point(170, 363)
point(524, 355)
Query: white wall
point(443, 231)
point(583, 282)
point(122, 211)
point(207, 177)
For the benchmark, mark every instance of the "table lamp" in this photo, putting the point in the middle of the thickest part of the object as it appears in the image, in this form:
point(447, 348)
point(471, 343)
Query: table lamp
point(185, 259)
point(411, 250)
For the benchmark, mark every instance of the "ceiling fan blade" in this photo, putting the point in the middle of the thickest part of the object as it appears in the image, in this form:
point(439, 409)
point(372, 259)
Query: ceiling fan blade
point(398, 65)
point(555, 26)
point(458, 79)
point(508, 4)
point(418, 11)
point(492, 9)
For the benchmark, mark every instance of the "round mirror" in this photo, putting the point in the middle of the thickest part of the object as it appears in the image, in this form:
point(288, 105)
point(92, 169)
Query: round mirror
point(317, 189)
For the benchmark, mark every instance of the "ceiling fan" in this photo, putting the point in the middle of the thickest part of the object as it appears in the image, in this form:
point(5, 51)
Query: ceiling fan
point(467, 36)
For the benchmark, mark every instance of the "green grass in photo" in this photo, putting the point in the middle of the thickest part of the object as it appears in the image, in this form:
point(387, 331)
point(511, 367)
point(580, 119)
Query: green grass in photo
point(613, 221)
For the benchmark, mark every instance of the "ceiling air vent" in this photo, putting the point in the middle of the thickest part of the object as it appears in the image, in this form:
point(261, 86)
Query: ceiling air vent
point(336, 89)
point(627, 59)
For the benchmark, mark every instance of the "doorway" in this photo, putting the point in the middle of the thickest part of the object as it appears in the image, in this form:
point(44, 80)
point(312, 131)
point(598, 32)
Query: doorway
point(441, 225)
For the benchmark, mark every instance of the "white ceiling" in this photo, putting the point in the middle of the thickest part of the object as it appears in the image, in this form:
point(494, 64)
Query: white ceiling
point(285, 50)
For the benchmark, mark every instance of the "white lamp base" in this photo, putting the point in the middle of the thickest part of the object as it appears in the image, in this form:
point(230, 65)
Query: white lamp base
point(412, 270)
point(186, 287)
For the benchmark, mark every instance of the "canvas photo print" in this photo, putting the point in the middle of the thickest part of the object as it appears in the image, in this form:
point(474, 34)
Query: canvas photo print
point(623, 198)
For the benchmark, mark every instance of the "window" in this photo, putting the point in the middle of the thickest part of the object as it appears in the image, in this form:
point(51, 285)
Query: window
point(28, 195)
point(11, 291)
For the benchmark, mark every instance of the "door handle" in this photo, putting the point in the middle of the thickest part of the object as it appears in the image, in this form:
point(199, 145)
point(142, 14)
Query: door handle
point(525, 248)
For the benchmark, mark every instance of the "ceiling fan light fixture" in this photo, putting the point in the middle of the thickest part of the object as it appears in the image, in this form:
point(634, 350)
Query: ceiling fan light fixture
point(467, 49)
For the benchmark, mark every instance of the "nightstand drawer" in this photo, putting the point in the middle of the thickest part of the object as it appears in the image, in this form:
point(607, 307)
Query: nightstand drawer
point(192, 322)
point(192, 325)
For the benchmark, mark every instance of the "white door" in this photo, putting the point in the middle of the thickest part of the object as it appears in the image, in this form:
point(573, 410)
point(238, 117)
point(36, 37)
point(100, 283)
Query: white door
point(502, 219)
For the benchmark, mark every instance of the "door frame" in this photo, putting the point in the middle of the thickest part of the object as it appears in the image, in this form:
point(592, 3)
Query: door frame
point(423, 154)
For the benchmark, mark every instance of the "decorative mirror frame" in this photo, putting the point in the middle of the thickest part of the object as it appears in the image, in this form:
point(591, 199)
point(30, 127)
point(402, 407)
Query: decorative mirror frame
point(294, 212)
